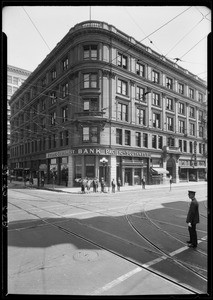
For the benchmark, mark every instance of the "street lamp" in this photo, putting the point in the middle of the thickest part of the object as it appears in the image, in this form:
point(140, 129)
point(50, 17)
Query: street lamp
point(104, 161)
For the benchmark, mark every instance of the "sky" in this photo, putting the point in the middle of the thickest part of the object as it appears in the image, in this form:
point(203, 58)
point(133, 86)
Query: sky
point(173, 31)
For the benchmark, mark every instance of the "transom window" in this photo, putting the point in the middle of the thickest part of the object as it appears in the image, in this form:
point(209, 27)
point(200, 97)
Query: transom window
point(122, 61)
point(140, 69)
point(122, 87)
point(122, 112)
point(91, 52)
point(90, 80)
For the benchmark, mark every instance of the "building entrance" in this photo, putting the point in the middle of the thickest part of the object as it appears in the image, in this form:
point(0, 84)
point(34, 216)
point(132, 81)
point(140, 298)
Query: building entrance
point(128, 176)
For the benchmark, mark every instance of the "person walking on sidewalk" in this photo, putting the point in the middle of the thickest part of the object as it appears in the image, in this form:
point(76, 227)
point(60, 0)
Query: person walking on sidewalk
point(113, 186)
point(143, 182)
point(192, 219)
point(170, 182)
point(119, 184)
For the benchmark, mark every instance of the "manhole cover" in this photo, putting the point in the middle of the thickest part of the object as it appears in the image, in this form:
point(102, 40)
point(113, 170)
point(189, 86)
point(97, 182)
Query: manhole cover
point(85, 255)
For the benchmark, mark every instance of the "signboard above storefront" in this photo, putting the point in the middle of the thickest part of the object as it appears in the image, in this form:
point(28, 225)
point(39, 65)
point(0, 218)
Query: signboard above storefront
point(98, 151)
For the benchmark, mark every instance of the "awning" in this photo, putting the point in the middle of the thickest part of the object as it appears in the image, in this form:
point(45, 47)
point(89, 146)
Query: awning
point(159, 171)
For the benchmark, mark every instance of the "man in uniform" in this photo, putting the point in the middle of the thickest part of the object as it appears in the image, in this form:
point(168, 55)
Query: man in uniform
point(192, 219)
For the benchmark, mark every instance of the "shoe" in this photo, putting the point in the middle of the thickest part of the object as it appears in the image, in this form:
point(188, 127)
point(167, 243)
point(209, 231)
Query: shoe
point(192, 246)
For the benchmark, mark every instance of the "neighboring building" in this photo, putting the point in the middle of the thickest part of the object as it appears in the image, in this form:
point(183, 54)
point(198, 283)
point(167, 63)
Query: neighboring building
point(102, 104)
point(15, 78)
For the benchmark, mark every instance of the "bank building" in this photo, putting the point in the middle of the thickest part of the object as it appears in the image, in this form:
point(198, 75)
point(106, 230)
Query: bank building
point(102, 104)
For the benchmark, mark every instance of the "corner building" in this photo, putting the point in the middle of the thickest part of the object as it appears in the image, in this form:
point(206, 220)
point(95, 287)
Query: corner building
point(102, 104)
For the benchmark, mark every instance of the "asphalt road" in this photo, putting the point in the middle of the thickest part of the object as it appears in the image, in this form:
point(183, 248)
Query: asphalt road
point(127, 243)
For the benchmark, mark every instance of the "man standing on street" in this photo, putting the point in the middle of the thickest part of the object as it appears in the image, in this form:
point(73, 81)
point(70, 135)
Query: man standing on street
point(192, 219)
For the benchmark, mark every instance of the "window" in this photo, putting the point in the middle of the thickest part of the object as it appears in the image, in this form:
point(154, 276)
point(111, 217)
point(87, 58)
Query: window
point(160, 142)
point(127, 138)
point(170, 123)
point(200, 148)
point(169, 83)
point(66, 134)
point(90, 134)
point(53, 74)
point(118, 136)
point(140, 116)
point(53, 97)
point(138, 139)
point(155, 77)
point(122, 113)
point(61, 138)
point(122, 87)
point(170, 141)
point(180, 88)
point(190, 147)
point(140, 93)
point(192, 128)
point(65, 90)
point(181, 145)
point(200, 115)
point(191, 93)
point(181, 108)
point(90, 104)
point(156, 120)
point(54, 140)
point(15, 80)
point(191, 112)
point(185, 146)
point(64, 114)
point(9, 79)
point(156, 99)
point(53, 118)
point(140, 69)
point(154, 141)
point(200, 131)
point(90, 80)
point(169, 104)
point(181, 126)
point(200, 97)
point(122, 61)
point(91, 52)
point(65, 64)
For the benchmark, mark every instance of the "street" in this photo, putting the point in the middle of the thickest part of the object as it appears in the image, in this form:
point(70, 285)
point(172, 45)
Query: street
point(125, 243)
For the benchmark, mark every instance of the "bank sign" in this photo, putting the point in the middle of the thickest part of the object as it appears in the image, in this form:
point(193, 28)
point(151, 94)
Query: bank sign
point(98, 151)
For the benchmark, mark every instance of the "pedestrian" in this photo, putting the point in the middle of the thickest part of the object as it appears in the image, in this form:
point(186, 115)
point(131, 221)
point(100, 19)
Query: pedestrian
point(113, 186)
point(95, 185)
point(118, 184)
point(192, 219)
point(143, 182)
point(102, 184)
point(88, 184)
point(83, 185)
point(170, 182)
point(42, 181)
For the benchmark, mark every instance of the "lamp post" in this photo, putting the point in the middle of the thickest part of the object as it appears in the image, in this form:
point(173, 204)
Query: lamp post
point(104, 162)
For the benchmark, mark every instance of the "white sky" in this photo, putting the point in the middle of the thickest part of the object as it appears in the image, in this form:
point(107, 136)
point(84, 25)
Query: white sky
point(27, 49)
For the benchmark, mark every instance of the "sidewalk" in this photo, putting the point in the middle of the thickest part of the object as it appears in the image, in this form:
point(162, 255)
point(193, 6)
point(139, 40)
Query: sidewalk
point(77, 190)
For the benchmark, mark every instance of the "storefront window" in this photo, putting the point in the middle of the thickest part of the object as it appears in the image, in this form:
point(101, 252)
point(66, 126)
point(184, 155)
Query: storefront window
point(90, 166)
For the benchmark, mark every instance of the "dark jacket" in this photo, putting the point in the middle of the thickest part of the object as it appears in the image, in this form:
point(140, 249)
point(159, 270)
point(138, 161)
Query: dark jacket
point(193, 213)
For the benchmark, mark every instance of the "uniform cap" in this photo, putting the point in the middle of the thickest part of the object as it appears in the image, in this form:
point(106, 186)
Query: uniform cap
point(191, 192)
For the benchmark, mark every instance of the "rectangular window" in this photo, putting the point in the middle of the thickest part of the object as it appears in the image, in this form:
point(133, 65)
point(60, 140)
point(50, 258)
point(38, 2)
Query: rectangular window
point(170, 124)
point(54, 140)
point(65, 90)
point(90, 134)
point(180, 88)
point(169, 83)
point(181, 108)
point(122, 61)
point(90, 80)
point(185, 146)
point(155, 77)
point(9, 79)
point(118, 136)
point(169, 104)
point(66, 134)
point(140, 116)
point(170, 141)
point(154, 141)
point(65, 64)
point(200, 97)
point(91, 52)
point(91, 104)
point(192, 128)
point(191, 112)
point(156, 99)
point(140, 69)
point(160, 142)
point(145, 140)
point(181, 125)
point(156, 120)
point(138, 139)
point(200, 115)
point(190, 147)
point(140, 94)
point(181, 145)
point(53, 118)
point(122, 113)
point(64, 114)
point(200, 131)
point(127, 138)
point(15, 80)
point(122, 87)
point(53, 74)
point(191, 93)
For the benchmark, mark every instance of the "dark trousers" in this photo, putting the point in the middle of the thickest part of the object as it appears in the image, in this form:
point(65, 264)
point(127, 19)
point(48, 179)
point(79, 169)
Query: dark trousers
point(193, 234)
